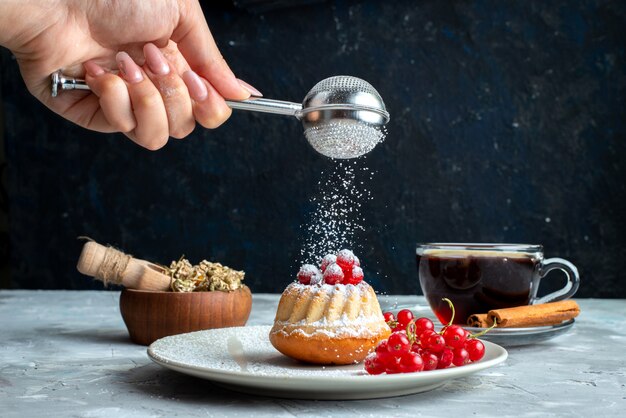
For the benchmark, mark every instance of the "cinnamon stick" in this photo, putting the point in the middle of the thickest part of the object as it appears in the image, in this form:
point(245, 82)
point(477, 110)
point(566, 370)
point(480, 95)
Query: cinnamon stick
point(479, 321)
point(535, 315)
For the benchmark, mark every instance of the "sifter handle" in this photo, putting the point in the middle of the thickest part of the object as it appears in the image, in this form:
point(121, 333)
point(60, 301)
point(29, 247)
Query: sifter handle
point(260, 104)
point(60, 82)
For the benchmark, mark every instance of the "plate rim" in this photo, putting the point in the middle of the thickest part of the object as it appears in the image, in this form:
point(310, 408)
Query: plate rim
point(444, 374)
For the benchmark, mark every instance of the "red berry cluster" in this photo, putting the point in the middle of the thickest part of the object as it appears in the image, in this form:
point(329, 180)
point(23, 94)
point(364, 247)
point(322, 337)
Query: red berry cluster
point(341, 268)
point(414, 346)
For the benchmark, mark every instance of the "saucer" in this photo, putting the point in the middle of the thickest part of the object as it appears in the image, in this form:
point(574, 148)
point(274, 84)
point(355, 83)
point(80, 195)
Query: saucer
point(510, 337)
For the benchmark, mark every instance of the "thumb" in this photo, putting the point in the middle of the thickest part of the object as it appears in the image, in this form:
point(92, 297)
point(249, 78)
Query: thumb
point(197, 45)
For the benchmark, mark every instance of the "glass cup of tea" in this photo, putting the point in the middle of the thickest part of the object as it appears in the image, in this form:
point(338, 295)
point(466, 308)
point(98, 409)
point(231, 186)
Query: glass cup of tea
point(480, 277)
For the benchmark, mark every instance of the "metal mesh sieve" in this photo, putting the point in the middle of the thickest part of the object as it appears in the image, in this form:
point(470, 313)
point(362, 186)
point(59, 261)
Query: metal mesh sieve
point(343, 117)
point(344, 139)
point(345, 83)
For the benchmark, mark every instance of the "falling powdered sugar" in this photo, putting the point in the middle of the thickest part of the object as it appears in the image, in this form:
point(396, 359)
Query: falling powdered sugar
point(337, 218)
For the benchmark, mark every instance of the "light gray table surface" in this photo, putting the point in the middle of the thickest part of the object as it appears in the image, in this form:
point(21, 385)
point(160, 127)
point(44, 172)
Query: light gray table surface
point(67, 353)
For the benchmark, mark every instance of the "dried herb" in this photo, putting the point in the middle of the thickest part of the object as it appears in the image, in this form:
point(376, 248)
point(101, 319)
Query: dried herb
point(203, 277)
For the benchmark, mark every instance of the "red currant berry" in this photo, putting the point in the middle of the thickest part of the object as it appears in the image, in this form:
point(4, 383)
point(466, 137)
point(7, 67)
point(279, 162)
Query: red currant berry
point(399, 328)
point(355, 276)
point(357, 262)
point(461, 357)
point(374, 365)
point(392, 363)
point(411, 362)
point(423, 324)
point(382, 347)
point(389, 317)
point(345, 259)
point(347, 276)
point(434, 343)
point(333, 274)
point(430, 361)
point(475, 348)
point(445, 358)
point(317, 279)
point(388, 359)
point(306, 273)
point(398, 342)
point(327, 260)
point(424, 335)
point(455, 336)
point(404, 317)
point(417, 348)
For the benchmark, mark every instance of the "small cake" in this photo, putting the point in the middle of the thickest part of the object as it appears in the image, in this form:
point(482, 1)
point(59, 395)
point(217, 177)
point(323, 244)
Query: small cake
point(330, 316)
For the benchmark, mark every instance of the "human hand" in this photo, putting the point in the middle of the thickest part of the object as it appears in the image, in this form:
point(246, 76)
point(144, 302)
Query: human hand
point(158, 92)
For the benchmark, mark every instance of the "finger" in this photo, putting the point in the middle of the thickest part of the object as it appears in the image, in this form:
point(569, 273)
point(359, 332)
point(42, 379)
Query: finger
point(209, 108)
point(251, 89)
point(180, 65)
point(152, 130)
point(175, 58)
point(198, 47)
point(115, 112)
point(173, 92)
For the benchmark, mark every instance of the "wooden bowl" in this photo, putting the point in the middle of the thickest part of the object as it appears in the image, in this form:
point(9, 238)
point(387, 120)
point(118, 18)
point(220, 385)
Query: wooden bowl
point(151, 315)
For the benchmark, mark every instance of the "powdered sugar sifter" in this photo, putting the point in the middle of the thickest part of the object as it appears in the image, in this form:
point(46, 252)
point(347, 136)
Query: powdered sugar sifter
point(343, 116)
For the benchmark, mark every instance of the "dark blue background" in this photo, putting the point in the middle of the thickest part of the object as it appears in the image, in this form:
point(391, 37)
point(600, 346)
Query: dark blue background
point(507, 126)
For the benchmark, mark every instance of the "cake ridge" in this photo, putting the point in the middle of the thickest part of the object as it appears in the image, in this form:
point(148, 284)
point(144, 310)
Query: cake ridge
point(329, 315)
point(329, 309)
point(312, 301)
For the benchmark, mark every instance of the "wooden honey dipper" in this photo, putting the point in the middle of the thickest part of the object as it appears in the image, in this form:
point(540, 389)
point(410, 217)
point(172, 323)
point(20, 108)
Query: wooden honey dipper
point(113, 266)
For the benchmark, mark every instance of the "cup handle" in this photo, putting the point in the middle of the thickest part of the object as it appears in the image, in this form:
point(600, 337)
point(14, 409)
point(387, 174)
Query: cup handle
point(573, 279)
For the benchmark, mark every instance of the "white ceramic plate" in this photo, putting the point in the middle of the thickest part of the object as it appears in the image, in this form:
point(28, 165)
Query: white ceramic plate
point(243, 359)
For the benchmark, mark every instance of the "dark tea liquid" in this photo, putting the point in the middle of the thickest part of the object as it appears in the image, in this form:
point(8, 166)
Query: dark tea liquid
point(476, 282)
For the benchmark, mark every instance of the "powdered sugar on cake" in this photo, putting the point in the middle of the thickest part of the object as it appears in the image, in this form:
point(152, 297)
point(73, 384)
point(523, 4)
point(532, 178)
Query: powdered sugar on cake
point(330, 288)
point(340, 311)
point(344, 327)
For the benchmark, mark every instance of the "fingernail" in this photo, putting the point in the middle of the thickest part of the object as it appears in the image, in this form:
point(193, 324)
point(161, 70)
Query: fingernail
point(253, 91)
point(93, 69)
point(129, 70)
point(197, 89)
point(155, 59)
